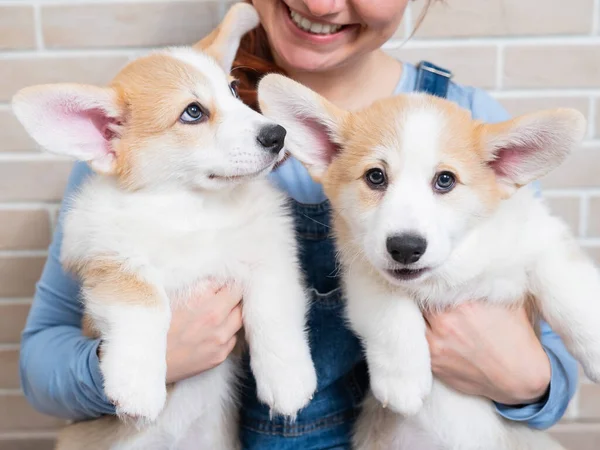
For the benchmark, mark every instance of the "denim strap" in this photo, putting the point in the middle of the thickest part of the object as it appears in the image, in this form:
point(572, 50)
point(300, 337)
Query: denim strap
point(432, 79)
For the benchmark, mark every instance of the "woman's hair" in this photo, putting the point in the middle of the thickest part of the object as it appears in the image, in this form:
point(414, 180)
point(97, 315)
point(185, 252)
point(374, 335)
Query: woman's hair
point(254, 59)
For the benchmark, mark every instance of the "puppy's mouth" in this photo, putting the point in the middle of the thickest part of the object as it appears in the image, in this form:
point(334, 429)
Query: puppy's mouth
point(239, 176)
point(405, 274)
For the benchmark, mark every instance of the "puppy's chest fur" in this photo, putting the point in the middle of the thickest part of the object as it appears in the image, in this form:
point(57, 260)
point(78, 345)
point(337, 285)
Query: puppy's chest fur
point(493, 262)
point(175, 239)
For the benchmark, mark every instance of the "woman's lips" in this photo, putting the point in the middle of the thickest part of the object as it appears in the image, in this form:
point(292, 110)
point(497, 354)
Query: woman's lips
point(318, 38)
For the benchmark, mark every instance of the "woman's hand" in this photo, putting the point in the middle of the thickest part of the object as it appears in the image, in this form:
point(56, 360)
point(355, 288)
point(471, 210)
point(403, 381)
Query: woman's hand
point(203, 332)
point(489, 350)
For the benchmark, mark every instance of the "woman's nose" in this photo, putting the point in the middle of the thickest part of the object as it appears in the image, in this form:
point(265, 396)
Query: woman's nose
point(319, 8)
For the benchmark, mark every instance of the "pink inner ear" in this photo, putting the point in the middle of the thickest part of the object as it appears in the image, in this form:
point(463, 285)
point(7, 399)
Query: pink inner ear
point(514, 161)
point(102, 123)
point(327, 148)
point(508, 160)
point(87, 128)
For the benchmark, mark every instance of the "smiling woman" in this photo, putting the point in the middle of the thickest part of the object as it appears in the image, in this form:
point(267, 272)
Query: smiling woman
point(307, 40)
point(334, 48)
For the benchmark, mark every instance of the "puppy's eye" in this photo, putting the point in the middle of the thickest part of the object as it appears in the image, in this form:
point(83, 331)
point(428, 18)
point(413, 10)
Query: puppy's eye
point(193, 113)
point(376, 179)
point(444, 182)
point(233, 86)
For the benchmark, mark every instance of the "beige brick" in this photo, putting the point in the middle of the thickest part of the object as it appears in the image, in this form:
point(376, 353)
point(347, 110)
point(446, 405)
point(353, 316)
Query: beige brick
point(21, 72)
point(580, 170)
point(597, 127)
point(9, 369)
point(566, 208)
point(465, 18)
point(127, 24)
point(594, 217)
point(26, 443)
point(42, 180)
point(589, 402)
point(16, 27)
point(399, 35)
point(24, 230)
point(578, 436)
point(19, 274)
point(12, 321)
point(17, 415)
point(13, 137)
point(475, 66)
point(552, 66)
point(518, 106)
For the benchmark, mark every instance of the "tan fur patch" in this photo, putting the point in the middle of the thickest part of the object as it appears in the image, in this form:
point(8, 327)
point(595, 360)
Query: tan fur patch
point(153, 92)
point(360, 133)
point(464, 154)
point(111, 282)
point(88, 329)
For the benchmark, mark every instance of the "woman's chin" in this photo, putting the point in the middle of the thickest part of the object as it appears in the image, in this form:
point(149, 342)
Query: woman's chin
point(299, 59)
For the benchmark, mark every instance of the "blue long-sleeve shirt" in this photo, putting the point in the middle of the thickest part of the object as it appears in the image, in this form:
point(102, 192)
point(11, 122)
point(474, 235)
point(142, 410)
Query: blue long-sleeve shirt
point(59, 369)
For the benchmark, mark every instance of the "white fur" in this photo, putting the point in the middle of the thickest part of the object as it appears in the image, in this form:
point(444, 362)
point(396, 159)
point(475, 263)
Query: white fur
point(176, 240)
point(521, 249)
point(474, 252)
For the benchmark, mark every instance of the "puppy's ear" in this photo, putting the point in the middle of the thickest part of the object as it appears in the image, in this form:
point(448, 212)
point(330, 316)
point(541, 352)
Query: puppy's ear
point(527, 148)
point(313, 124)
point(72, 120)
point(223, 42)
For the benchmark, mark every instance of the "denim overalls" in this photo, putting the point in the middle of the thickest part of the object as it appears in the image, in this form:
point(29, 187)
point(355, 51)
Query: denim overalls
point(326, 423)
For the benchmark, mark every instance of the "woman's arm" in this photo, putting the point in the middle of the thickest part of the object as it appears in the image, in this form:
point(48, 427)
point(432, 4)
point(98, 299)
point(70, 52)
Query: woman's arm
point(563, 383)
point(492, 351)
point(59, 368)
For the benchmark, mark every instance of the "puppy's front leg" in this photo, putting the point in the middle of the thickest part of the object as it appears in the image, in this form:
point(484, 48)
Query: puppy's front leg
point(566, 287)
point(393, 332)
point(133, 318)
point(275, 307)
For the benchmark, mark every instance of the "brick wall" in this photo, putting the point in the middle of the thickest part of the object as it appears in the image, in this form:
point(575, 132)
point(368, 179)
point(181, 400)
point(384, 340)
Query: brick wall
point(529, 54)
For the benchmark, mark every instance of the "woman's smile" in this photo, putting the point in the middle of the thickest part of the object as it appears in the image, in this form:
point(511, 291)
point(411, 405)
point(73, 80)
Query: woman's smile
point(314, 30)
point(306, 29)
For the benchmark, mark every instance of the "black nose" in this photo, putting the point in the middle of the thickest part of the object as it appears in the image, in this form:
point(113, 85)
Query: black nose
point(406, 248)
point(272, 137)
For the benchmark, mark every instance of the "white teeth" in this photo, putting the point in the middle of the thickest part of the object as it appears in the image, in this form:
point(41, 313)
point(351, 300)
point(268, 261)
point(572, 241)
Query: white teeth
point(316, 28)
point(313, 27)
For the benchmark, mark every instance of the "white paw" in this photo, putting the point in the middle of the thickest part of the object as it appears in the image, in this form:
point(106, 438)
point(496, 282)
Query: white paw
point(402, 393)
point(285, 384)
point(136, 387)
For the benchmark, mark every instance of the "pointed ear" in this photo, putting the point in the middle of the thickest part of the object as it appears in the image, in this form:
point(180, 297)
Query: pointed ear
point(223, 42)
point(527, 148)
point(313, 124)
point(72, 120)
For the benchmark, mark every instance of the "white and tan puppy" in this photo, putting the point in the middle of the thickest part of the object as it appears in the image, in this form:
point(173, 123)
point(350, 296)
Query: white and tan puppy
point(429, 213)
point(179, 199)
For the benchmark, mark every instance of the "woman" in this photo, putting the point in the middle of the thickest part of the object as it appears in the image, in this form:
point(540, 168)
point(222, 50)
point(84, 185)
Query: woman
point(333, 47)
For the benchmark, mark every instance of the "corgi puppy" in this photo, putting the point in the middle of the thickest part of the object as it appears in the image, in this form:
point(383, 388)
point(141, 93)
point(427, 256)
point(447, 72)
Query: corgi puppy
point(429, 213)
point(179, 199)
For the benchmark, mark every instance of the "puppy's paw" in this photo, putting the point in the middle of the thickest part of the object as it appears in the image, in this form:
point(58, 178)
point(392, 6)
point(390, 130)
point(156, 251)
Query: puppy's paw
point(137, 388)
point(286, 384)
point(402, 393)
